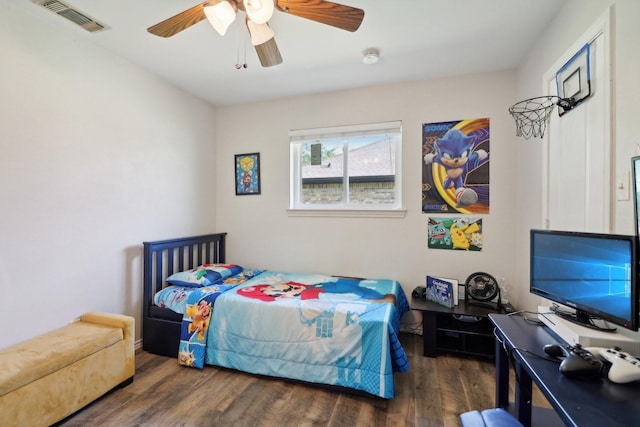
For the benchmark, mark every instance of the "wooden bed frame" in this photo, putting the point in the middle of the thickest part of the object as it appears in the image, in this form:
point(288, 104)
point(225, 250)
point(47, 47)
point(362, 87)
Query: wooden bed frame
point(161, 326)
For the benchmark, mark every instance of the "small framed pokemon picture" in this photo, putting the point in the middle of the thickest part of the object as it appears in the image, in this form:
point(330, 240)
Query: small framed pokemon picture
point(247, 173)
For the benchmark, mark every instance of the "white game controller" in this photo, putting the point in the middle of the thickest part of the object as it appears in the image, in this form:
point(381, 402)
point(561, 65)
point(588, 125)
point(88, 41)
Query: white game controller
point(624, 367)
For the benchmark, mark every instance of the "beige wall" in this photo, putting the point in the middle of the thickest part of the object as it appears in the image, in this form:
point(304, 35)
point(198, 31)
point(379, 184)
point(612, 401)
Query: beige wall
point(575, 19)
point(261, 234)
point(397, 247)
point(96, 156)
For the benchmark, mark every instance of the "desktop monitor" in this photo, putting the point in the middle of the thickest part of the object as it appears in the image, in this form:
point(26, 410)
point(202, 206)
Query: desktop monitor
point(594, 274)
point(635, 180)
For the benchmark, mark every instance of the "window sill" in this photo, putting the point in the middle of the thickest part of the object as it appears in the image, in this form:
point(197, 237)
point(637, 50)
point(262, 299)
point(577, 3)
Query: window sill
point(349, 213)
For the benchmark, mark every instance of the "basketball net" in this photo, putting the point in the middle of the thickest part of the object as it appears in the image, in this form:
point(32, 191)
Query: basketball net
point(531, 116)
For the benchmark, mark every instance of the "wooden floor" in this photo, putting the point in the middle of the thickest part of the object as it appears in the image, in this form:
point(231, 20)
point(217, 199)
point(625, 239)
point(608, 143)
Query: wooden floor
point(432, 393)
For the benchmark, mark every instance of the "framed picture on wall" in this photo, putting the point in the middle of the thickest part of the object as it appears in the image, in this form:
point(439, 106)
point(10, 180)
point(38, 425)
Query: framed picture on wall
point(247, 173)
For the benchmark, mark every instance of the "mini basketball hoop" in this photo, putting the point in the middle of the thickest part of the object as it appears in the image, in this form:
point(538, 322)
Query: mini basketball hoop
point(531, 115)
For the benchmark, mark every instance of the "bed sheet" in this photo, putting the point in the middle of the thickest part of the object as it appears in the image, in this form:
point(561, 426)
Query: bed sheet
point(314, 328)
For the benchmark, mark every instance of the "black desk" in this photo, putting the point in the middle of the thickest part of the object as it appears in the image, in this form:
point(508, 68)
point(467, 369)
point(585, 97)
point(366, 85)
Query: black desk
point(581, 403)
point(578, 402)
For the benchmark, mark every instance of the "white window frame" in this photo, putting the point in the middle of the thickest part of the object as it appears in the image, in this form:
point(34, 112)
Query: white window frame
point(298, 137)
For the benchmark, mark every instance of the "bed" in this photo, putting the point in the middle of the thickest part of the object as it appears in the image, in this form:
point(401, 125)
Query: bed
point(334, 331)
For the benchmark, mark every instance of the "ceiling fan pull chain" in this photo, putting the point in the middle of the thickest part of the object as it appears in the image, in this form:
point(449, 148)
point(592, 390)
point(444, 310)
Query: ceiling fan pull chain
point(244, 64)
point(238, 66)
point(240, 39)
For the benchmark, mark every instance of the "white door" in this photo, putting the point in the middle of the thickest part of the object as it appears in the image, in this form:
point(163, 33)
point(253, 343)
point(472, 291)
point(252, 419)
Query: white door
point(579, 146)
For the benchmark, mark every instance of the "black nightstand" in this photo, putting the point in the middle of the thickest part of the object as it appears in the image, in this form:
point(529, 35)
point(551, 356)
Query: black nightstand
point(463, 329)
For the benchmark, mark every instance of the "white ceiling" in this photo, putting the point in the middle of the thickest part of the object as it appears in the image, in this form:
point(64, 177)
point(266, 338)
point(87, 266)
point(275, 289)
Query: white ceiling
point(417, 39)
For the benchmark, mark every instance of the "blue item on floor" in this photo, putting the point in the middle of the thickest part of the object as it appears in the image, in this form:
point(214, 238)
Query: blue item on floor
point(496, 417)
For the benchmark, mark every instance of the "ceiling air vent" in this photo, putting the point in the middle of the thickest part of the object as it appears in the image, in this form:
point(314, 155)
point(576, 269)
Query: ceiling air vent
point(73, 15)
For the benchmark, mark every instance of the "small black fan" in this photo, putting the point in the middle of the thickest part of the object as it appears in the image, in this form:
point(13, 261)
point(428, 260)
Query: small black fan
point(482, 289)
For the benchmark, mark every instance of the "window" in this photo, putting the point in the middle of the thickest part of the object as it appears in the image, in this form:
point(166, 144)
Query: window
point(347, 169)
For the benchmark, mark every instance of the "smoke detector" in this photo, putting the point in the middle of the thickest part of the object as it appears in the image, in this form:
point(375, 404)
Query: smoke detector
point(370, 56)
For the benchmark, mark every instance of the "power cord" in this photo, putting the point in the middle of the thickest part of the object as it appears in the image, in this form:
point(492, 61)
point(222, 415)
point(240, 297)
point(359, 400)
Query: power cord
point(509, 351)
point(411, 328)
point(529, 319)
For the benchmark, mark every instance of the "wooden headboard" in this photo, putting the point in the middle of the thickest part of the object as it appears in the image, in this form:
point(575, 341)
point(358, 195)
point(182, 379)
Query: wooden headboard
point(160, 326)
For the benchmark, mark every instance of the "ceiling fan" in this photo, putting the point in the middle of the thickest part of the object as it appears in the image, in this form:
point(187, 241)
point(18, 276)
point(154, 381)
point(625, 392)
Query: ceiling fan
point(221, 13)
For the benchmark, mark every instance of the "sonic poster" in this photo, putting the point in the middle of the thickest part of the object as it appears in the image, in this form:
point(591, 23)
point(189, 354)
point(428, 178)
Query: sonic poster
point(458, 233)
point(455, 167)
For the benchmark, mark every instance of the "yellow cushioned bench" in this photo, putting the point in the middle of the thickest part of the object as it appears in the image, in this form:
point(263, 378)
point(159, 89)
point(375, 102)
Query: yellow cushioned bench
point(47, 378)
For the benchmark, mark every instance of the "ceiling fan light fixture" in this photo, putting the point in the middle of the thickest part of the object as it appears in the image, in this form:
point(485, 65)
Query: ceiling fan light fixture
point(220, 14)
point(260, 33)
point(259, 11)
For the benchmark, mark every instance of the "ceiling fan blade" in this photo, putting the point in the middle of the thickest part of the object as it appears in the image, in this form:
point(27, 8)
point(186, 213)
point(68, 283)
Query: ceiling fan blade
point(326, 12)
point(269, 53)
point(181, 21)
